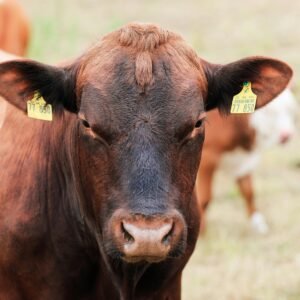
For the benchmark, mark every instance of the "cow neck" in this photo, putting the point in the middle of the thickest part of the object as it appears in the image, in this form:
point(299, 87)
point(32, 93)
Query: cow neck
point(132, 276)
point(125, 277)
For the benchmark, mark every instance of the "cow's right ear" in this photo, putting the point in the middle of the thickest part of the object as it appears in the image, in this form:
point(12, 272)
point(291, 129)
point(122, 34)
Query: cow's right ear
point(20, 79)
point(268, 77)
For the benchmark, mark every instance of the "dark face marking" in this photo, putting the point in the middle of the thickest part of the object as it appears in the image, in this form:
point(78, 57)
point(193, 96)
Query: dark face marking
point(143, 145)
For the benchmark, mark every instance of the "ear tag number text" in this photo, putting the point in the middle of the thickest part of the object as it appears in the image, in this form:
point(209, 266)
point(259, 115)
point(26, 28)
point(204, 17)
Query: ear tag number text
point(244, 102)
point(37, 108)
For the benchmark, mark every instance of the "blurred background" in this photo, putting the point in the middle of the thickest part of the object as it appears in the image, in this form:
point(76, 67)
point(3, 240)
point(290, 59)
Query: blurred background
point(230, 262)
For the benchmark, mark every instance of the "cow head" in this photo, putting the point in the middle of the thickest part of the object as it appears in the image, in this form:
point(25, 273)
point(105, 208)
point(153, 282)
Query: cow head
point(137, 102)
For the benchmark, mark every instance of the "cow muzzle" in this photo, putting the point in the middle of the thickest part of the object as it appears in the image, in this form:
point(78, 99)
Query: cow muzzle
point(147, 238)
point(284, 137)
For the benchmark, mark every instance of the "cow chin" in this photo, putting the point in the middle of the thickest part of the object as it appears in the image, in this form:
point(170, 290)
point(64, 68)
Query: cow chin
point(137, 238)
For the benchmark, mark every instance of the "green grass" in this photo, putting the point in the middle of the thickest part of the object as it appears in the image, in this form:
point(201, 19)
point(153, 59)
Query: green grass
point(230, 262)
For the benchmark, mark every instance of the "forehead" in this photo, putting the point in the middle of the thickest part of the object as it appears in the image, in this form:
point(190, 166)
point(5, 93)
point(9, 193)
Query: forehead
point(172, 84)
point(142, 68)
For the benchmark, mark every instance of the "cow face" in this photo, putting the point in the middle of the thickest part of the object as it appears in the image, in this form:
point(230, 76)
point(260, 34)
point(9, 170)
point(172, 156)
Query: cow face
point(148, 151)
point(138, 101)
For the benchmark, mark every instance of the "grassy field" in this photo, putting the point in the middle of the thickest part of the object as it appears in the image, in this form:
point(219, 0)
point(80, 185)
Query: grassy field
point(230, 262)
point(233, 263)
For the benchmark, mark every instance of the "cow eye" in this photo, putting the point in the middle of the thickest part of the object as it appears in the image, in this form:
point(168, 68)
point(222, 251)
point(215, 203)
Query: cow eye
point(86, 124)
point(200, 121)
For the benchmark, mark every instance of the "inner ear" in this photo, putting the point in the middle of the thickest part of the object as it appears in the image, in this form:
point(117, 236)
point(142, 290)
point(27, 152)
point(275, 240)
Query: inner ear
point(19, 80)
point(271, 81)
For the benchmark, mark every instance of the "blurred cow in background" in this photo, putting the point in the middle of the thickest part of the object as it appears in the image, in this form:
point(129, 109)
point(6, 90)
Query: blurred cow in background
point(236, 143)
point(14, 37)
point(14, 27)
point(4, 56)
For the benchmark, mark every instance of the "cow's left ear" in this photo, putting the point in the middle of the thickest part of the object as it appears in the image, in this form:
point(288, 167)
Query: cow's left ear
point(268, 78)
point(20, 79)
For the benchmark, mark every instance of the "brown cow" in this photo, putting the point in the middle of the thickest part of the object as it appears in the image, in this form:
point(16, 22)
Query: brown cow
point(97, 204)
point(235, 144)
point(14, 27)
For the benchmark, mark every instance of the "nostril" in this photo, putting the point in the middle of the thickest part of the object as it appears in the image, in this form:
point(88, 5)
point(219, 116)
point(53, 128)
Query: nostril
point(126, 235)
point(166, 240)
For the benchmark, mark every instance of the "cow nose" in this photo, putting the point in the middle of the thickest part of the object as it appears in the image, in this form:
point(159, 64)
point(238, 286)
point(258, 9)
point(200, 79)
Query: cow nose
point(148, 238)
point(284, 137)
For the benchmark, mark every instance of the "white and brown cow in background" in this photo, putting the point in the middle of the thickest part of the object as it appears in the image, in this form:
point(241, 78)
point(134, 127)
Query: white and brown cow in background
point(236, 143)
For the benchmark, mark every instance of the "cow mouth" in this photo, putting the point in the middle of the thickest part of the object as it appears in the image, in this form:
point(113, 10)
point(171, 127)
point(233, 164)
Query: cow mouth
point(142, 259)
point(175, 253)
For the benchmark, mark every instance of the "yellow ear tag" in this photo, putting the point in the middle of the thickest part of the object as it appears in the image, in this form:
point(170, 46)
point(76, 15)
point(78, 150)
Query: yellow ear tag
point(244, 102)
point(37, 108)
